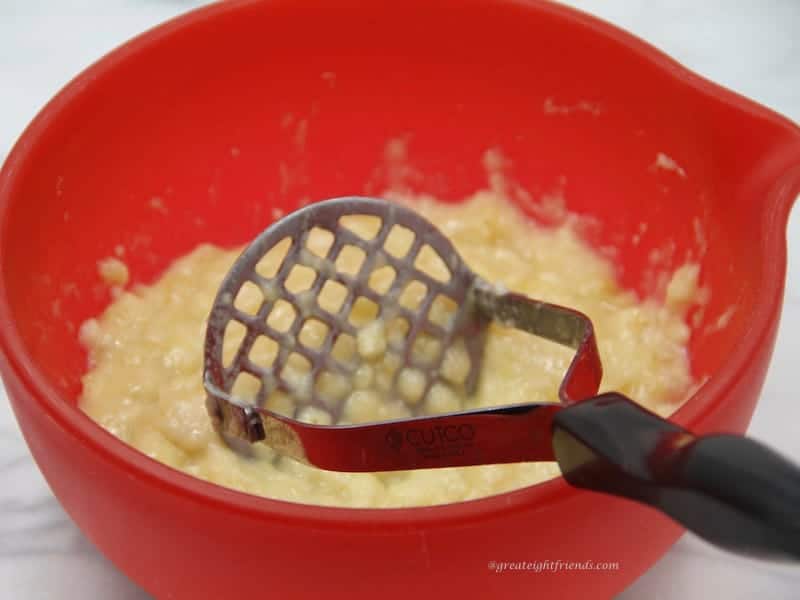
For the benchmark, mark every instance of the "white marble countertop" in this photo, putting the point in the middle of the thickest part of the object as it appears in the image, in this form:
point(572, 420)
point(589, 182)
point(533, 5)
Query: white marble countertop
point(749, 45)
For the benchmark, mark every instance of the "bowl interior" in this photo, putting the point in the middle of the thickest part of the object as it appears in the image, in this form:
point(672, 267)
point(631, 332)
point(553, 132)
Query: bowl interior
point(226, 120)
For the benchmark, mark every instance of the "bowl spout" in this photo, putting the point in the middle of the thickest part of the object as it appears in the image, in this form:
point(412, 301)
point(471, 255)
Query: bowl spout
point(779, 178)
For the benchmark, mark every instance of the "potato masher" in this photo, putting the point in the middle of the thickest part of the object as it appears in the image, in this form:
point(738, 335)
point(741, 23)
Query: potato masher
point(731, 490)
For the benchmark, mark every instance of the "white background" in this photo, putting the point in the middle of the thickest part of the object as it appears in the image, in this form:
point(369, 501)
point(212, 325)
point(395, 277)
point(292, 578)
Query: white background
point(750, 46)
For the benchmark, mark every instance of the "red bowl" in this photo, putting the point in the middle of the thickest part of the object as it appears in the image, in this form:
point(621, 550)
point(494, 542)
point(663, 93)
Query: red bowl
point(207, 113)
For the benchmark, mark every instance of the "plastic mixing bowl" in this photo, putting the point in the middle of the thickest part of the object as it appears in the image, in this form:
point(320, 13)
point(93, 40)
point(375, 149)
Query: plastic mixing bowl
point(242, 107)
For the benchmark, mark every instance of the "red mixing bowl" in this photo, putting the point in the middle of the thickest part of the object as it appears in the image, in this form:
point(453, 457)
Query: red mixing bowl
point(241, 107)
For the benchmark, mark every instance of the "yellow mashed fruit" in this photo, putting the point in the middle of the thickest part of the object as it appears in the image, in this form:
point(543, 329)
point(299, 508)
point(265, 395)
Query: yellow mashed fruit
point(145, 386)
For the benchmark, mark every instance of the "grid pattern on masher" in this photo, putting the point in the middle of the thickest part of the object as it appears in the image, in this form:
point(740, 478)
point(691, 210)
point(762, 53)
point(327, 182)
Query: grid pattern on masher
point(306, 306)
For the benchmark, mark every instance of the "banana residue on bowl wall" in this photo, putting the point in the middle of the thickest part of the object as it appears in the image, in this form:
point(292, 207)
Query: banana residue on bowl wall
point(144, 383)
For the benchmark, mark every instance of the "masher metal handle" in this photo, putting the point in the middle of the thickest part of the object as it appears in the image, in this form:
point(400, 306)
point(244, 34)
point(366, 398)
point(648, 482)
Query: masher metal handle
point(506, 434)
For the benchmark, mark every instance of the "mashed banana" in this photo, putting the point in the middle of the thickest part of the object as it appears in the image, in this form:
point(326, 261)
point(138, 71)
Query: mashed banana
point(144, 384)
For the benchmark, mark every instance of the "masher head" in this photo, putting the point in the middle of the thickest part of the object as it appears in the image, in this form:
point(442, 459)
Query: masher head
point(350, 324)
point(349, 289)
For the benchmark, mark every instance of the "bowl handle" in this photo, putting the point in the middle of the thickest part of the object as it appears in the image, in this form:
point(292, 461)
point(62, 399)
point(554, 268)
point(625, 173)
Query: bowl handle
point(730, 490)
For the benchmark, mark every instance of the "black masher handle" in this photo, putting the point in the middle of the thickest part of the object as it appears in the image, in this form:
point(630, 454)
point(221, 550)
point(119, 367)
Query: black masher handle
point(730, 490)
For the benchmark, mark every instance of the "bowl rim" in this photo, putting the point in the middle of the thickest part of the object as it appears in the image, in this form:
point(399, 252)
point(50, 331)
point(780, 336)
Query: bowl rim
point(534, 497)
